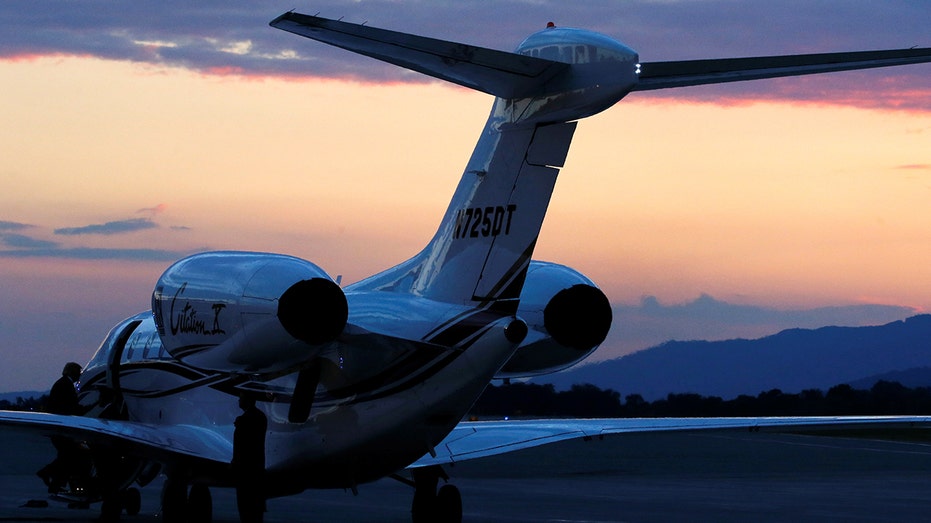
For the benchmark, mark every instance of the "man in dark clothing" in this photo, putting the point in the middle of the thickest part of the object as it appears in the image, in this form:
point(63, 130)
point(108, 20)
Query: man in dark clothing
point(249, 461)
point(108, 464)
point(63, 399)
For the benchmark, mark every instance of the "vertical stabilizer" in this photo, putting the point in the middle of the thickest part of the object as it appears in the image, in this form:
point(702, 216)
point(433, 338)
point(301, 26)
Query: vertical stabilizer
point(483, 246)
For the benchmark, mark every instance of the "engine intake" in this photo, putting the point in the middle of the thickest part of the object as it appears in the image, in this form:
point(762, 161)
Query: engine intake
point(578, 317)
point(313, 311)
point(567, 316)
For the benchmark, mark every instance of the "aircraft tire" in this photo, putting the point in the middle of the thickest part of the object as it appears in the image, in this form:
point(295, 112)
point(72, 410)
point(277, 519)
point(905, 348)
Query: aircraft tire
point(200, 504)
point(449, 504)
point(131, 501)
point(423, 508)
point(174, 500)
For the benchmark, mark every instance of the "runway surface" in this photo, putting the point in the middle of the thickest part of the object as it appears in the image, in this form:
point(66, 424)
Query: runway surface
point(685, 477)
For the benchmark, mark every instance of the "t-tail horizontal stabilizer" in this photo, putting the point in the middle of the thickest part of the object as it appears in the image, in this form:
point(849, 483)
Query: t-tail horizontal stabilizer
point(503, 74)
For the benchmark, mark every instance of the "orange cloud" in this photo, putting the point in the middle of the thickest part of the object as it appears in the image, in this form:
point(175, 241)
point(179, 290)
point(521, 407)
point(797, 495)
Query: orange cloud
point(158, 209)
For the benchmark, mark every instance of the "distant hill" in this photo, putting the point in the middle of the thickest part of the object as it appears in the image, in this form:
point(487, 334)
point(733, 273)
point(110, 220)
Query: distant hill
point(911, 378)
point(792, 360)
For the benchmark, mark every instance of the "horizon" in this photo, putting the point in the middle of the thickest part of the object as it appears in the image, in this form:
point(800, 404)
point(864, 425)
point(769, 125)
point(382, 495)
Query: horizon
point(142, 134)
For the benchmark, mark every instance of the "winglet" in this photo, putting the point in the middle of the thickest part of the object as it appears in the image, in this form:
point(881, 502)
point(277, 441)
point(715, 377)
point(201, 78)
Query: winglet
point(500, 73)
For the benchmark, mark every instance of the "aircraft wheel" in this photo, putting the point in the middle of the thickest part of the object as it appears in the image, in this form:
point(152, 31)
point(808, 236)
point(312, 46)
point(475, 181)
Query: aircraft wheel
point(423, 509)
point(200, 505)
point(174, 500)
point(131, 501)
point(449, 505)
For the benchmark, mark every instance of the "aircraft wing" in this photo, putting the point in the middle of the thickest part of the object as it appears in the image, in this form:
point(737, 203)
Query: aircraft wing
point(480, 439)
point(164, 443)
point(662, 75)
point(500, 73)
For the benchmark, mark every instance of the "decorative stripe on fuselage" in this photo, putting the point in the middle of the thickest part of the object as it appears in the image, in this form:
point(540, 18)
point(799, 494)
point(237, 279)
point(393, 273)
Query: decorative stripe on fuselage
point(421, 362)
point(508, 288)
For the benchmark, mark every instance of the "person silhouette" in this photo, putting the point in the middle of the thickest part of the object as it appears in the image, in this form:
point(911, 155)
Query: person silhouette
point(249, 460)
point(62, 399)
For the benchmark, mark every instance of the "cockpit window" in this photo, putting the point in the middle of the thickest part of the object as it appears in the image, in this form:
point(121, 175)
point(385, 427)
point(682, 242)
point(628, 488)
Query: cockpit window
point(144, 344)
point(102, 355)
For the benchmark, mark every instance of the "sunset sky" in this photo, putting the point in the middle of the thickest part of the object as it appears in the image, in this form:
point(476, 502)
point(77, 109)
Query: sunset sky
point(132, 134)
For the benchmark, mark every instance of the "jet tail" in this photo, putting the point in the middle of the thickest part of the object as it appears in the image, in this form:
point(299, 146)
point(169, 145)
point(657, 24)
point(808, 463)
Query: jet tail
point(482, 249)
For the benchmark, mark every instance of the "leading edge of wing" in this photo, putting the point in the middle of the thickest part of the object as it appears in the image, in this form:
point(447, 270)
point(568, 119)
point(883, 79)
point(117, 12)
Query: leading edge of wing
point(480, 439)
point(508, 75)
point(169, 443)
point(663, 75)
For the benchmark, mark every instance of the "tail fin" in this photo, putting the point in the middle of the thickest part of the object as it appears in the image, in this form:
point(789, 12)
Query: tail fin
point(482, 249)
point(483, 246)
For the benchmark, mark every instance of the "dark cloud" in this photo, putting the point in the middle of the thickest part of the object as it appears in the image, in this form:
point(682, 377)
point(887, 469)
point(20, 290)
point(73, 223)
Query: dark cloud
point(651, 322)
point(115, 227)
point(234, 37)
point(23, 246)
point(707, 309)
point(26, 242)
point(13, 226)
point(28, 247)
point(88, 253)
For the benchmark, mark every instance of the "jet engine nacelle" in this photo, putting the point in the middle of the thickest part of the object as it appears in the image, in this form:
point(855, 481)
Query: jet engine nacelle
point(567, 318)
point(248, 312)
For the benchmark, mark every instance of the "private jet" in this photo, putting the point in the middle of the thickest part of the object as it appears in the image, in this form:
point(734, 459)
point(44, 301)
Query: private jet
point(374, 379)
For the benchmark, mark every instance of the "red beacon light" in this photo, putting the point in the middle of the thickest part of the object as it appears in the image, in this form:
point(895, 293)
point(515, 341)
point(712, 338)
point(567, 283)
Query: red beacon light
point(550, 25)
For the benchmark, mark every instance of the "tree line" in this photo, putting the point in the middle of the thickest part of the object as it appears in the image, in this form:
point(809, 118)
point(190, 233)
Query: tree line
point(36, 404)
point(589, 401)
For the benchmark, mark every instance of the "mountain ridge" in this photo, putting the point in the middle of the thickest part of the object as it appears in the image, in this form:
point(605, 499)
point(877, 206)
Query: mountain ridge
point(791, 360)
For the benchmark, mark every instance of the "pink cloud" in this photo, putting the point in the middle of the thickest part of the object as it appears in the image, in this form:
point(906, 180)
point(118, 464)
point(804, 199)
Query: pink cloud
point(152, 211)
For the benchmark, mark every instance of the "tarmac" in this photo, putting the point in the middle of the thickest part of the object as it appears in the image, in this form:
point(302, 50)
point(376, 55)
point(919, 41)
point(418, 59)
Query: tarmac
point(755, 477)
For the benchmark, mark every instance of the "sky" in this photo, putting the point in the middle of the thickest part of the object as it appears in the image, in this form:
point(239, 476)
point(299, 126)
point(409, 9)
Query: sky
point(133, 134)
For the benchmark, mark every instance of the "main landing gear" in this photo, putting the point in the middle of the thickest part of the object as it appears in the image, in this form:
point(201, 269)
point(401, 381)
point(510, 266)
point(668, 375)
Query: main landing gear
point(180, 506)
point(432, 505)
